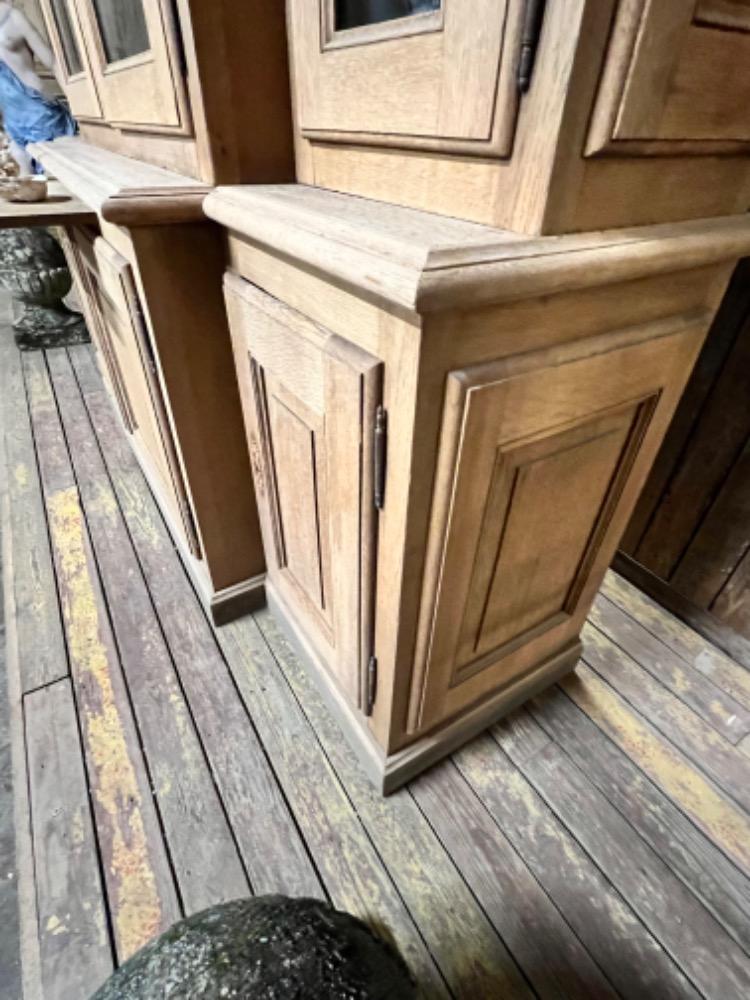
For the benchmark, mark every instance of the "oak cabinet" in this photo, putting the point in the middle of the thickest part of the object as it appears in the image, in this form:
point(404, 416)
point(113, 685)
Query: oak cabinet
point(539, 118)
point(149, 278)
point(202, 89)
point(448, 427)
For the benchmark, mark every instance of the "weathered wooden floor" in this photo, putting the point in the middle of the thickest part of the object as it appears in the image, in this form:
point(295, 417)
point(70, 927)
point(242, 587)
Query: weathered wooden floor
point(595, 845)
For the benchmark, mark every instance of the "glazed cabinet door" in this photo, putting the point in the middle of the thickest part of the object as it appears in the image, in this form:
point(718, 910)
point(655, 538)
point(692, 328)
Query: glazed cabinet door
point(539, 466)
point(676, 72)
point(310, 400)
point(66, 37)
point(134, 52)
point(129, 360)
point(407, 72)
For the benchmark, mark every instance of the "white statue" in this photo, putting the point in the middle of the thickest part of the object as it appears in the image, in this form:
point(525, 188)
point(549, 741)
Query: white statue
point(28, 116)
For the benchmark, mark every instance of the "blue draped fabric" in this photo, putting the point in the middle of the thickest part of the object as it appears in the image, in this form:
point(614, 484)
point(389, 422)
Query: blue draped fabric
point(29, 116)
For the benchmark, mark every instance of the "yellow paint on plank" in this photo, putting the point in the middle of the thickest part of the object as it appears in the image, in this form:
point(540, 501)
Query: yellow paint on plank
point(711, 662)
point(135, 903)
point(728, 826)
point(21, 476)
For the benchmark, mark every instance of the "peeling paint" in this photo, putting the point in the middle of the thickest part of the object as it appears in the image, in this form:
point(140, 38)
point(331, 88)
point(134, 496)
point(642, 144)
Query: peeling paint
point(727, 826)
point(136, 907)
point(21, 476)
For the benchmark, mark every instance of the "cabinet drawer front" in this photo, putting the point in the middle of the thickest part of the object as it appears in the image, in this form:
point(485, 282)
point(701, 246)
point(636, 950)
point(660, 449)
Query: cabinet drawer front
point(309, 400)
point(538, 470)
point(442, 74)
point(676, 73)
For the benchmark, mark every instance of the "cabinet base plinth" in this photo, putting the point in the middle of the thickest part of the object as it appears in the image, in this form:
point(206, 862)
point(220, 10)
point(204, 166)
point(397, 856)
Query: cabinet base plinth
point(388, 772)
point(233, 602)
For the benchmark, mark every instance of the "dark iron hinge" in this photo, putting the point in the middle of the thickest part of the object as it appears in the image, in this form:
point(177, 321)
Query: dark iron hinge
point(372, 685)
point(380, 449)
point(533, 17)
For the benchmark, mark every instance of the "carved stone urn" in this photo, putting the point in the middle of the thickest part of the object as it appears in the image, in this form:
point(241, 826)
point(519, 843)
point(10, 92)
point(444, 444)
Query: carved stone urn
point(267, 948)
point(34, 270)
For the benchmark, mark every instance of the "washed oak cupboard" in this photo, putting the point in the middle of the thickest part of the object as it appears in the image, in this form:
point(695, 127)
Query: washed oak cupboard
point(449, 426)
point(172, 98)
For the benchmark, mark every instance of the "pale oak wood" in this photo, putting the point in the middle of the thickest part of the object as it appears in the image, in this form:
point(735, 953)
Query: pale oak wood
point(553, 365)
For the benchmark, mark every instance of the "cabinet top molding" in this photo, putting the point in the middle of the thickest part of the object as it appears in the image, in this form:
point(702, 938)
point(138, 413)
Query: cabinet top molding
point(419, 262)
point(122, 190)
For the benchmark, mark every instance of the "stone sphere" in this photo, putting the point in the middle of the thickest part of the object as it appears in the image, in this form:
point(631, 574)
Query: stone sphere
point(266, 948)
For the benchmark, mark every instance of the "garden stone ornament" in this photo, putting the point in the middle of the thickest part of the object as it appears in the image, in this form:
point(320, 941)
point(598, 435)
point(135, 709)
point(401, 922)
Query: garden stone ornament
point(266, 948)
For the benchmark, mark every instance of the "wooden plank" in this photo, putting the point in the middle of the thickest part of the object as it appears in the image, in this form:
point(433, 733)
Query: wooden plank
point(546, 948)
point(28, 940)
point(719, 436)
point(701, 654)
point(723, 637)
point(200, 842)
point(709, 751)
point(727, 716)
point(732, 605)
point(42, 656)
point(141, 893)
point(723, 822)
point(626, 952)
point(720, 543)
point(471, 956)
point(718, 344)
point(274, 854)
point(74, 938)
point(724, 890)
point(697, 943)
point(350, 867)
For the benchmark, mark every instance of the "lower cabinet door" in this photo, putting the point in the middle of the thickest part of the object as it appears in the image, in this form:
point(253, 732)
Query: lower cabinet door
point(128, 356)
point(540, 462)
point(310, 400)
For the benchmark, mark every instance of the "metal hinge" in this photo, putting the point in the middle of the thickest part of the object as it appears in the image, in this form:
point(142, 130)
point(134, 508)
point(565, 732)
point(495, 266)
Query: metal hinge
point(380, 449)
point(533, 18)
point(372, 685)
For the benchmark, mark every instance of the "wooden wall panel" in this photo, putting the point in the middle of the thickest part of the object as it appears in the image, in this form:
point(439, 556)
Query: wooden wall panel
point(691, 529)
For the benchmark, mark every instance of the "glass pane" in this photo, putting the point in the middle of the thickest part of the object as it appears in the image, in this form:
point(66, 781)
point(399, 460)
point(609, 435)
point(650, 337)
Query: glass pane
point(71, 52)
point(122, 25)
point(355, 13)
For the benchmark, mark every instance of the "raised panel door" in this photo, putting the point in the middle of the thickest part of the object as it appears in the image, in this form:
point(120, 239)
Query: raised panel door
point(129, 356)
point(66, 38)
point(536, 477)
point(309, 399)
point(676, 73)
point(134, 53)
point(407, 72)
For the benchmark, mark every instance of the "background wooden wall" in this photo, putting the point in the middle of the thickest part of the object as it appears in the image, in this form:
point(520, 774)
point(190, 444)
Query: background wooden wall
point(688, 542)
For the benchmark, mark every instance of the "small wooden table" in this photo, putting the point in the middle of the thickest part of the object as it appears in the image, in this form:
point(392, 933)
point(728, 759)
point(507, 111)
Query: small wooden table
point(60, 208)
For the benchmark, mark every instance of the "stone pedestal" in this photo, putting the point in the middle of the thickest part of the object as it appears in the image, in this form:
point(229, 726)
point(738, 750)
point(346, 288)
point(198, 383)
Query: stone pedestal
point(34, 270)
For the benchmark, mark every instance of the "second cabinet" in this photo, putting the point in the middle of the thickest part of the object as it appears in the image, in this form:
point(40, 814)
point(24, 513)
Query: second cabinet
point(448, 428)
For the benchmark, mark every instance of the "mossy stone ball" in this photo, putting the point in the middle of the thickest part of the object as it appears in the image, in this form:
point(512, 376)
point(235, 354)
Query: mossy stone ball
point(266, 948)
